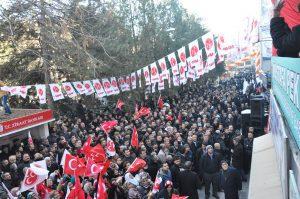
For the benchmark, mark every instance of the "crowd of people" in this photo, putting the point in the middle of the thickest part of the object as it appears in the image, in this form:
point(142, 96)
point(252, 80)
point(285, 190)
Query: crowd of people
point(193, 142)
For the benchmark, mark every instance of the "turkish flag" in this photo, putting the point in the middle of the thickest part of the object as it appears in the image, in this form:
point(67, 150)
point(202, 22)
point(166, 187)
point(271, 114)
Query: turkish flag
point(120, 103)
point(87, 145)
point(179, 118)
point(108, 125)
point(97, 154)
point(110, 147)
point(77, 192)
point(134, 138)
point(101, 190)
point(92, 168)
point(142, 112)
point(160, 102)
point(30, 140)
point(137, 164)
point(174, 196)
point(74, 165)
point(33, 177)
point(156, 184)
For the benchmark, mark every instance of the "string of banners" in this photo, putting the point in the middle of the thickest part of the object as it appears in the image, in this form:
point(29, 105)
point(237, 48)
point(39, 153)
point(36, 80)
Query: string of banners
point(181, 69)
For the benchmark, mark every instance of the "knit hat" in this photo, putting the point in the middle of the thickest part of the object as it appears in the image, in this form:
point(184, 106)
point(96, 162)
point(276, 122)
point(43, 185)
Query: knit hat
point(168, 183)
point(209, 147)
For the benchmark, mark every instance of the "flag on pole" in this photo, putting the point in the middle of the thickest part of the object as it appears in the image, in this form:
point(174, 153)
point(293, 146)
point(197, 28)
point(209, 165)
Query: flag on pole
point(33, 177)
point(160, 102)
point(110, 147)
point(30, 140)
point(101, 190)
point(119, 105)
point(134, 138)
point(136, 165)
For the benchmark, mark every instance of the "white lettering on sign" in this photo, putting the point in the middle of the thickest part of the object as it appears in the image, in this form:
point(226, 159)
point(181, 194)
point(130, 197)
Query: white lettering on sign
point(22, 123)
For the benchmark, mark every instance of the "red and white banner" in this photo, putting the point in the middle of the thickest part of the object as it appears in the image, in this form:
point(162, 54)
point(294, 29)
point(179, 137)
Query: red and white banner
point(161, 83)
point(169, 78)
point(107, 87)
point(114, 85)
point(199, 67)
point(182, 76)
point(133, 80)
point(69, 89)
point(56, 92)
point(88, 87)
point(41, 93)
point(127, 83)
point(33, 177)
point(163, 66)
point(182, 57)
point(208, 40)
point(14, 90)
point(23, 91)
point(176, 80)
point(153, 88)
point(173, 63)
point(121, 82)
point(191, 70)
point(110, 147)
point(99, 88)
point(139, 74)
point(79, 87)
point(220, 43)
point(154, 73)
point(147, 76)
point(174, 196)
point(196, 58)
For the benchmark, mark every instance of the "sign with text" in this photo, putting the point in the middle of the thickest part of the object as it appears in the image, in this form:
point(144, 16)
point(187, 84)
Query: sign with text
point(286, 88)
point(22, 122)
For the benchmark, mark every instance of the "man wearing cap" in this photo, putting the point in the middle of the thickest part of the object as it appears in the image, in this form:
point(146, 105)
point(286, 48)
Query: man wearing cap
point(230, 181)
point(210, 165)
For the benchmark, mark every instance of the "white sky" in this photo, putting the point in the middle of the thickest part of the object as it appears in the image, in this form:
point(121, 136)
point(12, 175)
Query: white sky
point(223, 16)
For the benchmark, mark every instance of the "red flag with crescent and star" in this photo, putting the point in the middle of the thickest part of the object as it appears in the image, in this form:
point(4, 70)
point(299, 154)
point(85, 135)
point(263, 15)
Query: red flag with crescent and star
point(108, 125)
point(74, 165)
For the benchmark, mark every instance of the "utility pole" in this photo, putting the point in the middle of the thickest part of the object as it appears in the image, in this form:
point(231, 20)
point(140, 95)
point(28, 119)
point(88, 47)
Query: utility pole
point(45, 57)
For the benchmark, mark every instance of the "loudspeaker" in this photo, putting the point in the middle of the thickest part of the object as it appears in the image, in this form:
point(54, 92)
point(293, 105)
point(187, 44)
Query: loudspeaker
point(257, 106)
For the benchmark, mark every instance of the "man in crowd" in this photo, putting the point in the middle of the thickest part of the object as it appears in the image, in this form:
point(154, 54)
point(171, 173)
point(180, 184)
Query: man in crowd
point(230, 181)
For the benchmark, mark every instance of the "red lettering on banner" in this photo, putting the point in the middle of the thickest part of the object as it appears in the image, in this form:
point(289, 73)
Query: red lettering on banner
point(21, 122)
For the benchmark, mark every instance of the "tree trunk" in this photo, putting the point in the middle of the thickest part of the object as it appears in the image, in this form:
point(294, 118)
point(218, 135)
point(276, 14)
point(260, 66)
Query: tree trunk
point(45, 58)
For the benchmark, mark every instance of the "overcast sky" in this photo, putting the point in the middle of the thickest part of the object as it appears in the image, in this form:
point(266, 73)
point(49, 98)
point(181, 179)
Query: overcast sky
point(223, 15)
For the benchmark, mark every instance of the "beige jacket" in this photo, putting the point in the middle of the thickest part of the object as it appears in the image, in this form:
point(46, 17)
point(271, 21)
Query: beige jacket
point(2, 93)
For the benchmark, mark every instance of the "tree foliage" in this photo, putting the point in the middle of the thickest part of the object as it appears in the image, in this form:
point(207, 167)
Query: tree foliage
point(83, 39)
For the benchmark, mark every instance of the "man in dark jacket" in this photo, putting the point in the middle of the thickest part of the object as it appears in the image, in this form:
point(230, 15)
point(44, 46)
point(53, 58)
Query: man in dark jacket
point(285, 40)
point(238, 157)
point(248, 145)
point(230, 181)
point(210, 165)
point(188, 182)
point(175, 170)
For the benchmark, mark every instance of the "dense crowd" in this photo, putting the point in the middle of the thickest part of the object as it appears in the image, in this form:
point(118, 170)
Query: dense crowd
point(194, 141)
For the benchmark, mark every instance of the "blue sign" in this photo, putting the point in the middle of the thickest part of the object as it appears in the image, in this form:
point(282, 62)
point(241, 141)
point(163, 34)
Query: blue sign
point(286, 88)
